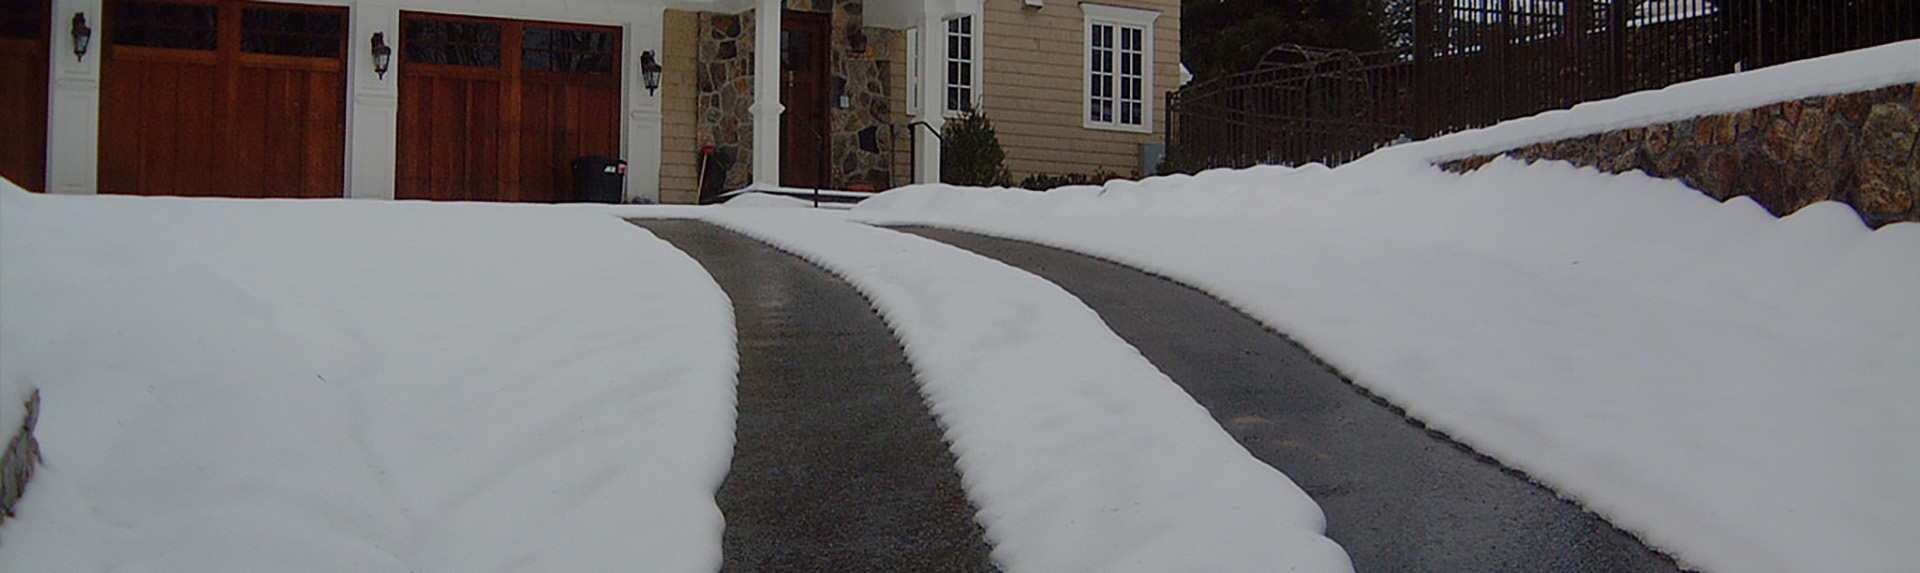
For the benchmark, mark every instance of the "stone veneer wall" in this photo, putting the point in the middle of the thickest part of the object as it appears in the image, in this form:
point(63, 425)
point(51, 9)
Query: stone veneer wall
point(724, 74)
point(863, 133)
point(1861, 148)
point(863, 130)
point(862, 143)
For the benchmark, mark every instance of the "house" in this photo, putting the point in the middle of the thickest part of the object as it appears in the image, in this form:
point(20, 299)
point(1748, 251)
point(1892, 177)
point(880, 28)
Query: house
point(494, 99)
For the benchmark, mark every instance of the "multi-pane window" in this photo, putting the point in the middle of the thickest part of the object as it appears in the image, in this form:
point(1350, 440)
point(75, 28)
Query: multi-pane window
point(1119, 57)
point(570, 51)
point(1115, 77)
point(453, 43)
point(159, 25)
point(291, 32)
point(960, 64)
point(284, 30)
point(25, 19)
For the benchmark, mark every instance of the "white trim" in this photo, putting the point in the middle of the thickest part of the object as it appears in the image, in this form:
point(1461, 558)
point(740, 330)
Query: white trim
point(913, 71)
point(1119, 20)
point(766, 106)
point(73, 102)
point(932, 76)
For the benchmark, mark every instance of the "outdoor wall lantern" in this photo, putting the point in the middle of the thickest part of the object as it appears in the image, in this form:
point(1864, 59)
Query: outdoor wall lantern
point(82, 35)
point(649, 71)
point(382, 54)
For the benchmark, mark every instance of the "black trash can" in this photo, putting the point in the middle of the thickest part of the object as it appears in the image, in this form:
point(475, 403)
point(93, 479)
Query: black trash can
point(599, 179)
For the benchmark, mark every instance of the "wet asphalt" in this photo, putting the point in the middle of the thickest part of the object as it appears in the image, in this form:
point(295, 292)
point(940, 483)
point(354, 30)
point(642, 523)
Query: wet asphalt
point(1397, 496)
point(838, 464)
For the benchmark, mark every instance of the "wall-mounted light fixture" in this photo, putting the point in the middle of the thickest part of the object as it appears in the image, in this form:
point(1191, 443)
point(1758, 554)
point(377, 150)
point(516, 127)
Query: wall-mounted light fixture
point(82, 35)
point(382, 54)
point(649, 71)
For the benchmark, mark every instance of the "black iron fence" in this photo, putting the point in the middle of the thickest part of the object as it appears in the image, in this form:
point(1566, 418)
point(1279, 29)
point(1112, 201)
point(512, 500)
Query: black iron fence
point(1477, 62)
point(1301, 105)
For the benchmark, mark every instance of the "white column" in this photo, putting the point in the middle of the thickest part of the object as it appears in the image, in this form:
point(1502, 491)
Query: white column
point(766, 94)
point(373, 120)
point(933, 97)
point(73, 104)
point(641, 139)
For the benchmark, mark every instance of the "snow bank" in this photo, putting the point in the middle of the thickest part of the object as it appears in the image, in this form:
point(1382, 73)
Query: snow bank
point(1736, 387)
point(768, 201)
point(1860, 70)
point(1081, 455)
point(360, 386)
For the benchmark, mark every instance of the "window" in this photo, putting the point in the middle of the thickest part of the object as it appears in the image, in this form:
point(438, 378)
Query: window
point(158, 25)
point(452, 43)
point(568, 51)
point(961, 71)
point(23, 19)
point(292, 32)
point(1119, 68)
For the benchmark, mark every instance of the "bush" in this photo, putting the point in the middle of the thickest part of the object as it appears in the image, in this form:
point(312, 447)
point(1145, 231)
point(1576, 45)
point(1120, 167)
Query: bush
point(1043, 182)
point(970, 153)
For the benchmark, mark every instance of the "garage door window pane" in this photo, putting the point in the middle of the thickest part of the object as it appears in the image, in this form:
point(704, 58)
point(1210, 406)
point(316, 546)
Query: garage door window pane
point(291, 32)
point(567, 51)
point(452, 43)
point(22, 19)
point(156, 25)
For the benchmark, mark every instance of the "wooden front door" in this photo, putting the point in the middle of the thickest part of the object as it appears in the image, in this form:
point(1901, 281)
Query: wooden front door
point(804, 131)
point(497, 110)
point(24, 38)
point(223, 98)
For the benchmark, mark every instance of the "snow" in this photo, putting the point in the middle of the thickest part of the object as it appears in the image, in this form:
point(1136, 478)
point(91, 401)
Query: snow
point(1081, 455)
point(1737, 389)
point(360, 386)
point(377, 386)
point(1859, 70)
point(768, 200)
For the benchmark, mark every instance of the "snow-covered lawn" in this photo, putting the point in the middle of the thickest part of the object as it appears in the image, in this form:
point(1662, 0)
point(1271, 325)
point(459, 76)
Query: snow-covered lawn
point(376, 386)
point(1741, 390)
point(360, 386)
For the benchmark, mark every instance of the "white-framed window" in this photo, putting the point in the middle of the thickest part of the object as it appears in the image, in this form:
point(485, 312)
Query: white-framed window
point(963, 69)
point(1119, 68)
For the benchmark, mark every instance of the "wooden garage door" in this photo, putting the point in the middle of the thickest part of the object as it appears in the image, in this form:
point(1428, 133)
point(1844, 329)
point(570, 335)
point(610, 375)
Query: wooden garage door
point(496, 110)
point(223, 98)
point(23, 91)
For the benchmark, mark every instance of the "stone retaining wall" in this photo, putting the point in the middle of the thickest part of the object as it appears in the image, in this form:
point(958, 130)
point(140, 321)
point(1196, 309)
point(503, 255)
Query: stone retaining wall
point(16, 463)
point(1856, 148)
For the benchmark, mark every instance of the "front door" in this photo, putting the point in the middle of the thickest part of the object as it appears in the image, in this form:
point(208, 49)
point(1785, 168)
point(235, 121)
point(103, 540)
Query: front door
point(23, 91)
point(223, 98)
point(497, 110)
point(803, 126)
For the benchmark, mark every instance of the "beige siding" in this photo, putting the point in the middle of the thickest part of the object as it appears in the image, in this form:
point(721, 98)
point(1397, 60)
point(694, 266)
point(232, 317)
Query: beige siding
point(1034, 88)
point(897, 110)
point(679, 153)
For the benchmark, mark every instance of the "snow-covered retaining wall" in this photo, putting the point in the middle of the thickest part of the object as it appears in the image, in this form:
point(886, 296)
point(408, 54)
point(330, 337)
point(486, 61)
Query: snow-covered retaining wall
point(16, 463)
point(1857, 148)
